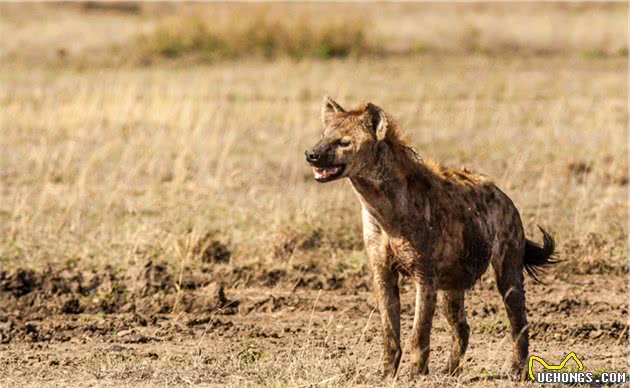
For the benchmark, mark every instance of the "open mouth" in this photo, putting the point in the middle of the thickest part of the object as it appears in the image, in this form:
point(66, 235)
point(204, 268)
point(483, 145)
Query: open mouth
point(326, 174)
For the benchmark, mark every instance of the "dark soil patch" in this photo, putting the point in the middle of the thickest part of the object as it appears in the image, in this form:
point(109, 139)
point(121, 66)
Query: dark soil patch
point(210, 250)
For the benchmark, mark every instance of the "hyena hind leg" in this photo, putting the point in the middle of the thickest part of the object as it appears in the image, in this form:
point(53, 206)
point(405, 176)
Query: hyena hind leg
point(509, 277)
point(455, 313)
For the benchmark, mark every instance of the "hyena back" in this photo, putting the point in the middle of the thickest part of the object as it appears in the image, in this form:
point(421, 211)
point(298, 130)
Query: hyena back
point(442, 227)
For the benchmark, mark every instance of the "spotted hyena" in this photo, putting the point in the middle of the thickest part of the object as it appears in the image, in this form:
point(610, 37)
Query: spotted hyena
point(439, 226)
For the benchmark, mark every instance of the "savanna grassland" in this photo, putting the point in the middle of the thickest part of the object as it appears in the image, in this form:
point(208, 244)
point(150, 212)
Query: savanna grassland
point(159, 226)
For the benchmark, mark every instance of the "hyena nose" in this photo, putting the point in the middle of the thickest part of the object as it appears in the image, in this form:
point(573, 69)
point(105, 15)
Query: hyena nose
point(311, 156)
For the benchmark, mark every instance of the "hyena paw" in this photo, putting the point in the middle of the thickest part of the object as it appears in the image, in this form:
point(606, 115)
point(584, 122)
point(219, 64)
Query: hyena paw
point(418, 370)
point(518, 373)
point(452, 369)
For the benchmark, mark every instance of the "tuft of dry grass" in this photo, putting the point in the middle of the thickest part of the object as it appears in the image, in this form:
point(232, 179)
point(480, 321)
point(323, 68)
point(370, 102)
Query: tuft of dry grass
point(256, 35)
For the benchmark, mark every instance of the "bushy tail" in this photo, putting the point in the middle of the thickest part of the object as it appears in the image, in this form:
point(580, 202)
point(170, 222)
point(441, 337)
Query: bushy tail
point(538, 257)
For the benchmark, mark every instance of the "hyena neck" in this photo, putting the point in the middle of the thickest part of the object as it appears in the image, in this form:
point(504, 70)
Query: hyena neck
point(387, 188)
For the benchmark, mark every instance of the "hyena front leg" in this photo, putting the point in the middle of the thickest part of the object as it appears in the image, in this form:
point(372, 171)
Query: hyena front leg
point(388, 299)
point(455, 314)
point(426, 296)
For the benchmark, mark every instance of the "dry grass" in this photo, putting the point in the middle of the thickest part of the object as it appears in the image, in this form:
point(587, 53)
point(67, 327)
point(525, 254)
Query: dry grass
point(106, 166)
point(110, 166)
point(137, 160)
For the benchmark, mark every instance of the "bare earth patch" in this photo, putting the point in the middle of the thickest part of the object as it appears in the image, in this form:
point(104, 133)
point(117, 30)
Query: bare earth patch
point(54, 328)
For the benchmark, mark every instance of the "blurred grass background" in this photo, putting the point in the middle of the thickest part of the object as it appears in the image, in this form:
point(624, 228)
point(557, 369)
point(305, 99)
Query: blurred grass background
point(129, 131)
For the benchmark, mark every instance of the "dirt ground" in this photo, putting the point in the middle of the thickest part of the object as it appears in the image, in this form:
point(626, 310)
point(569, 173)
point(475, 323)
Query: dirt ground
point(306, 328)
point(159, 227)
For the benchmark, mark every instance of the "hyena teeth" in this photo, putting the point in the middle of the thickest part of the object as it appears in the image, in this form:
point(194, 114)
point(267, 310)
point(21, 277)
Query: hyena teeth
point(324, 172)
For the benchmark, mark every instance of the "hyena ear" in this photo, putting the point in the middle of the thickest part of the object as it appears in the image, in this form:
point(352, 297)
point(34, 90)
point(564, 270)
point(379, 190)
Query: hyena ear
point(329, 108)
point(377, 120)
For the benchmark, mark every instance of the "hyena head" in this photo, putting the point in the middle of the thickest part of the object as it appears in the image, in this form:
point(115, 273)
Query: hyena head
point(348, 142)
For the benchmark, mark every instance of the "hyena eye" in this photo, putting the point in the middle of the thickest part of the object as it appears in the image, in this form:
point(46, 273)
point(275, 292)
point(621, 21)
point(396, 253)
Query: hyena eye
point(344, 142)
